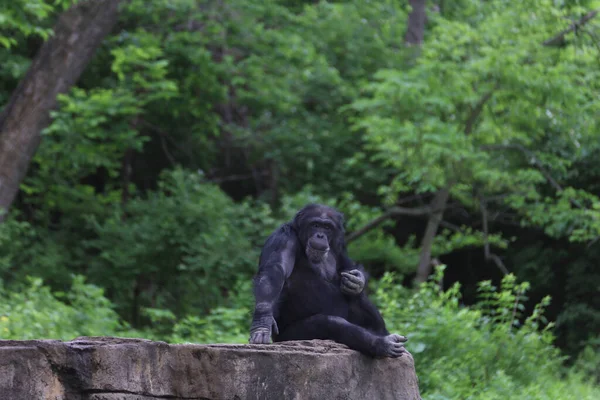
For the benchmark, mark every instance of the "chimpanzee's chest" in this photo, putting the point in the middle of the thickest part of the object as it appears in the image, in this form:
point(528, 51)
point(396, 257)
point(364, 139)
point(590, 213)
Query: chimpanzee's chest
point(311, 290)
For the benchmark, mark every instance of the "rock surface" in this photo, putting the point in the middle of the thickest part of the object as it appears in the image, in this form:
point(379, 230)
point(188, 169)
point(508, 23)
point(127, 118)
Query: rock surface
point(97, 368)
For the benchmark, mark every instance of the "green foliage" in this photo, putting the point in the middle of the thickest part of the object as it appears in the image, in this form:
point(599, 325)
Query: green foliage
point(478, 353)
point(199, 126)
point(28, 251)
point(224, 324)
point(28, 18)
point(23, 22)
point(588, 360)
point(34, 312)
point(484, 113)
point(163, 250)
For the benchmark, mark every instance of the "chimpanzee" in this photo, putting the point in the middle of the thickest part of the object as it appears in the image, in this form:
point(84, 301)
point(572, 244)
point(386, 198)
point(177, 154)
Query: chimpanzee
point(308, 288)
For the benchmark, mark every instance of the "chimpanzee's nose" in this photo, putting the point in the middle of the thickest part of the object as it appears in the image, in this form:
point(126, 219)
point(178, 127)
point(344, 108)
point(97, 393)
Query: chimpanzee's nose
point(320, 236)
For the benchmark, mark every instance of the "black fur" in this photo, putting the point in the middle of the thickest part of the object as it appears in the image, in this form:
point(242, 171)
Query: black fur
point(301, 293)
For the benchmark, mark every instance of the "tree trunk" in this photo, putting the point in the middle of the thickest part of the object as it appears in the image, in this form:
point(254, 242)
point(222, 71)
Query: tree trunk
point(415, 30)
point(437, 205)
point(55, 68)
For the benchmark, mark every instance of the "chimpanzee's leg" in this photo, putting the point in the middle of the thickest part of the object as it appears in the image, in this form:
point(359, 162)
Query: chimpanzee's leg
point(364, 313)
point(340, 330)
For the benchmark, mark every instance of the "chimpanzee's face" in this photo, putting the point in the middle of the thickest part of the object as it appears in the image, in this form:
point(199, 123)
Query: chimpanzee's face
point(318, 230)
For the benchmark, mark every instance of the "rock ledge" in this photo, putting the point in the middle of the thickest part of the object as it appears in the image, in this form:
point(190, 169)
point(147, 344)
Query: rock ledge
point(106, 368)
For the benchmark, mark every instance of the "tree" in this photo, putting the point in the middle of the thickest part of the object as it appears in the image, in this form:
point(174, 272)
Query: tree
point(56, 67)
point(415, 33)
point(481, 120)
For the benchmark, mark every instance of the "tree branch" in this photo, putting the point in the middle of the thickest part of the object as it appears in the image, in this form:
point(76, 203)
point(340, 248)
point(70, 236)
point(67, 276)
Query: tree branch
point(231, 178)
point(438, 204)
point(450, 226)
point(163, 144)
point(396, 211)
point(536, 162)
point(559, 39)
point(164, 137)
point(489, 256)
point(477, 111)
point(390, 213)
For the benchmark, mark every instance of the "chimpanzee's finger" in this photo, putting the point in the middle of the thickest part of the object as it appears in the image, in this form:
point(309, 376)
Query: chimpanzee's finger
point(265, 338)
point(351, 273)
point(399, 338)
point(351, 278)
point(351, 287)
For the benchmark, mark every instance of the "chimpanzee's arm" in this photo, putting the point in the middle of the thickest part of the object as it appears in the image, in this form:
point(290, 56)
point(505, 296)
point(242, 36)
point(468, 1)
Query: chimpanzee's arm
point(275, 266)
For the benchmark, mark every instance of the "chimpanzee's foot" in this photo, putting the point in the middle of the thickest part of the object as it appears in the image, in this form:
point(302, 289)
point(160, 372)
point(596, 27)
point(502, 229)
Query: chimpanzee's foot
point(391, 346)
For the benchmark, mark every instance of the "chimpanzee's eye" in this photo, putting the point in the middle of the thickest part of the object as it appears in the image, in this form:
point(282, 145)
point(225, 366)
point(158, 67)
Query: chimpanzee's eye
point(314, 225)
point(327, 228)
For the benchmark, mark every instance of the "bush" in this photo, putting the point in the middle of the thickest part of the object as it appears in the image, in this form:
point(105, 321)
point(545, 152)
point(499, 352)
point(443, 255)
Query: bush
point(181, 249)
point(482, 352)
point(227, 324)
point(34, 312)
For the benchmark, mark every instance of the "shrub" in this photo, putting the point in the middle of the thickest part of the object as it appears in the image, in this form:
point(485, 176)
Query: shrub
point(34, 312)
point(489, 351)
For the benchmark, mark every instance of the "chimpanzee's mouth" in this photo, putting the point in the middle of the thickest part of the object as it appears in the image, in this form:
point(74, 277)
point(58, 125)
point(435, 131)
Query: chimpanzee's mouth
point(317, 250)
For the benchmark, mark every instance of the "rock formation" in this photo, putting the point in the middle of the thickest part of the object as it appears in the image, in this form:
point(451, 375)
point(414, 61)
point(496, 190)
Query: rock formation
point(95, 368)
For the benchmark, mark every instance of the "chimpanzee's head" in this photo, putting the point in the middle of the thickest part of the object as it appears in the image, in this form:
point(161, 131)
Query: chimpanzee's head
point(320, 230)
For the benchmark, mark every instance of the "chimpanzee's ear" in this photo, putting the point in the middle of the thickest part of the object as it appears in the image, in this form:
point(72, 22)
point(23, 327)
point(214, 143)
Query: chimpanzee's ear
point(340, 241)
point(296, 221)
point(339, 220)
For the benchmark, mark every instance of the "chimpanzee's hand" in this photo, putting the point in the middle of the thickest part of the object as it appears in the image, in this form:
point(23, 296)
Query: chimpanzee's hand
point(260, 331)
point(353, 282)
